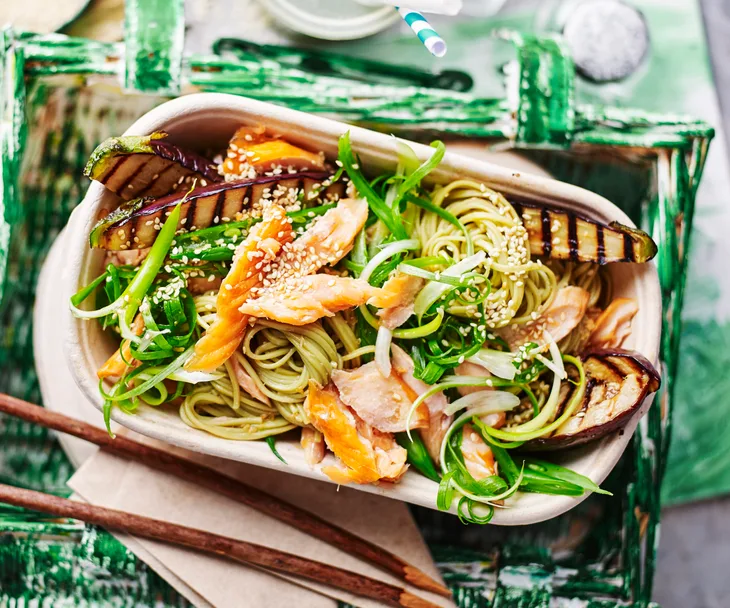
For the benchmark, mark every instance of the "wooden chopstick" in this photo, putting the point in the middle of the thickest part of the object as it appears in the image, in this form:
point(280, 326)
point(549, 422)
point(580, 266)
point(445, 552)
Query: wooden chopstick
point(237, 550)
point(221, 484)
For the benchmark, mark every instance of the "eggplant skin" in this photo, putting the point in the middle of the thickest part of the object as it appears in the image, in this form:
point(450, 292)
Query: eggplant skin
point(135, 223)
point(136, 166)
point(623, 363)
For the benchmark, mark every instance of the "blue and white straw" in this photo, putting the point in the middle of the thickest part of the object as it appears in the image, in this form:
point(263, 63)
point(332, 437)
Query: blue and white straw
point(422, 28)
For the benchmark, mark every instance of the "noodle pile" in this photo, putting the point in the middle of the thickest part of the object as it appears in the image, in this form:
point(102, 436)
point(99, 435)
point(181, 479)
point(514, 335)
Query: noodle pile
point(281, 359)
point(521, 289)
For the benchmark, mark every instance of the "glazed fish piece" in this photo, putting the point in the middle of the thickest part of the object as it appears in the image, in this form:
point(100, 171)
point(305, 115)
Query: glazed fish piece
point(561, 317)
point(303, 300)
point(223, 337)
point(327, 240)
point(381, 402)
point(253, 150)
point(365, 455)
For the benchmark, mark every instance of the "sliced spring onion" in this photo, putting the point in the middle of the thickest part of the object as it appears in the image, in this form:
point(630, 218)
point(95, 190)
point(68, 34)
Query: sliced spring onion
point(377, 205)
point(549, 409)
point(157, 375)
point(382, 350)
point(127, 304)
point(570, 409)
point(271, 442)
point(445, 215)
point(454, 382)
point(85, 292)
point(472, 515)
point(496, 362)
point(408, 333)
point(407, 159)
point(183, 375)
point(434, 290)
point(415, 178)
point(422, 273)
point(491, 401)
point(422, 331)
point(432, 260)
point(386, 252)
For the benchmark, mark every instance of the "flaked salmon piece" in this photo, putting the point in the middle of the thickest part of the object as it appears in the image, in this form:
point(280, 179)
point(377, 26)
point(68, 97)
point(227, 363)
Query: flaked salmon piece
point(253, 147)
point(613, 326)
point(262, 244)
point(389, 456)
point(361, 461)
point(438, 423)
point(326, 241)
point(247, 383)
point(495, 420)
point(407, 288)
point(472, 369)
point(303, 300)
point(198, 285)
point(433, 435)
point(381, 402)
point(404, 367)
point(561, 317)
point(478, 457)
point(312, 442)
point(116, 365)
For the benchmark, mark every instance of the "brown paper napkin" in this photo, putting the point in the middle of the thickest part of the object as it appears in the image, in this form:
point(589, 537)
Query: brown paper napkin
point(110, 481)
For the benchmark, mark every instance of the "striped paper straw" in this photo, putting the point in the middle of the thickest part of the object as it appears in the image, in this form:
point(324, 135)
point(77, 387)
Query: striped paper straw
point(422, 28)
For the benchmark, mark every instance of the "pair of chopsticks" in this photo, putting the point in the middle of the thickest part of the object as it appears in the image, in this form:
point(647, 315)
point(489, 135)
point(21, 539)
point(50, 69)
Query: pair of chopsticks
point(241, 551)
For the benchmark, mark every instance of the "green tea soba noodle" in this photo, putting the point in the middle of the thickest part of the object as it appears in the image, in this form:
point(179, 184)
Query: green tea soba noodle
point(280, 360)
point(521, 289)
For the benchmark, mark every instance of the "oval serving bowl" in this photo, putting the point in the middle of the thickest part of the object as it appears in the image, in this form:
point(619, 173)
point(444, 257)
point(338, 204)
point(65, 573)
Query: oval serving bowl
point(207, 120)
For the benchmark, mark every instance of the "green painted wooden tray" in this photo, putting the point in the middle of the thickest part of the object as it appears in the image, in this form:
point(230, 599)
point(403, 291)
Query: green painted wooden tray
point(60, 96)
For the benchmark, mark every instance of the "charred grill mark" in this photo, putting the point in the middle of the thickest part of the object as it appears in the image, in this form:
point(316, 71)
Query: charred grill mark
point(155, 181)
point(573, 237)
point(128, 182)
point(114, 169)
point(132, 231)
point(547, 235)
point(564, 402)
point(600, 245)
point(590, 385)
point(220, 201)
point(247, 195)
point(190, 215)
point(628, 248)
point(614, 368)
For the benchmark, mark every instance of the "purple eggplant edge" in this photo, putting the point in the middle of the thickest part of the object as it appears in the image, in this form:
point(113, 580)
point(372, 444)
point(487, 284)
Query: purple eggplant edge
point(564, 442)
point(211, 189)
point(186, 158)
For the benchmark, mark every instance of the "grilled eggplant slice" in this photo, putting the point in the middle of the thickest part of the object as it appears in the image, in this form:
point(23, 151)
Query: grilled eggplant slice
point(564, 235)
point(146, 166)
point(617, 382)
point(134, 224)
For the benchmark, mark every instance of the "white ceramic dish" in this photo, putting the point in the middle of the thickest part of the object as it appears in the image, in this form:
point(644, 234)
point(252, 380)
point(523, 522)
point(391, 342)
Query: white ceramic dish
point(204, 120)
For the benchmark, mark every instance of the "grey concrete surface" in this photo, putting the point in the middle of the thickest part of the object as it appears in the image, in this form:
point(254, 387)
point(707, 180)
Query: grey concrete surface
point(694, 549)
